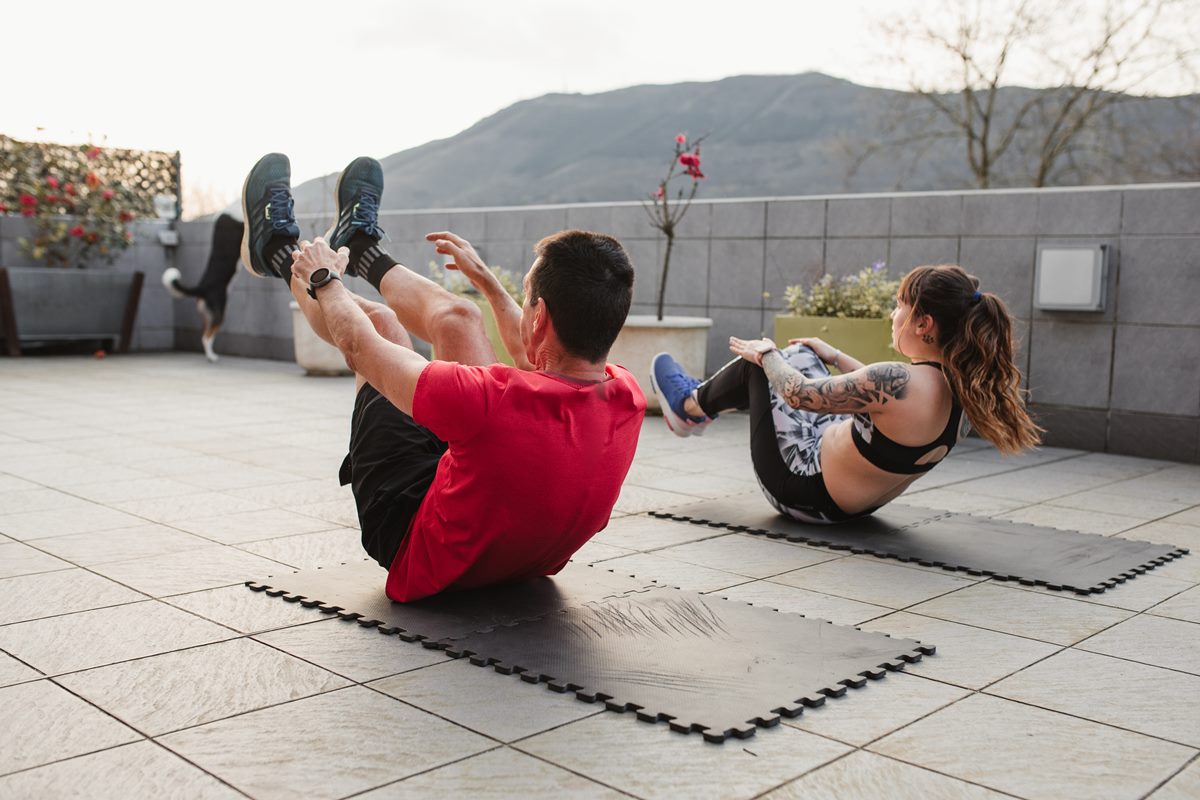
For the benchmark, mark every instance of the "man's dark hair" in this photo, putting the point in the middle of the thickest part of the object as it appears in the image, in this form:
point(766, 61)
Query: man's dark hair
point(586, 281)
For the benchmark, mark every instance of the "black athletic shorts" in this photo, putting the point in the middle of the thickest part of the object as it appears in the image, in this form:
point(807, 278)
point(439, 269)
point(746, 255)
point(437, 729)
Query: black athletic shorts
point(390, 467)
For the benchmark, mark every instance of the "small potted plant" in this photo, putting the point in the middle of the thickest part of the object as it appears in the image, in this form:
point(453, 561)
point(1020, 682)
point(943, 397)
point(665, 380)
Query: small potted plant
point(852, 314)
point(643, 336)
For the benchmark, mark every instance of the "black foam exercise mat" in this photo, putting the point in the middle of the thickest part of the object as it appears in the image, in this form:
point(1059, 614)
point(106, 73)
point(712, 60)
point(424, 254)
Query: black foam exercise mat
point(699, 662)
point(355, 591)
point(1083, 563)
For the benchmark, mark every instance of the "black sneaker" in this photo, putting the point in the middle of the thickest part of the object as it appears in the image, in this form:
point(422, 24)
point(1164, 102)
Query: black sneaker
point(356, 206)
point(268, 212)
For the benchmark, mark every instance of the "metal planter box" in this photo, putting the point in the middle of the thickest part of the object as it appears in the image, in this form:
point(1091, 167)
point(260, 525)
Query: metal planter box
point(43, 304)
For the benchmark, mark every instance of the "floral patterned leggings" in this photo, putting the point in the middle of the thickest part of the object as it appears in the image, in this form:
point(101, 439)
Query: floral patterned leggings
point(785, 442)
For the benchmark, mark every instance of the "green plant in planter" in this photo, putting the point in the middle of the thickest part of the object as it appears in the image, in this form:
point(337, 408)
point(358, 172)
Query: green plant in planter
point(455, 283)
point(852, 314)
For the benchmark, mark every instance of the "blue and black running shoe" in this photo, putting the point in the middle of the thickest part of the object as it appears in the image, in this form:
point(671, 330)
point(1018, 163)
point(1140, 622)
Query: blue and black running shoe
point(672, 386)
point(270, 231)
point(356, 209)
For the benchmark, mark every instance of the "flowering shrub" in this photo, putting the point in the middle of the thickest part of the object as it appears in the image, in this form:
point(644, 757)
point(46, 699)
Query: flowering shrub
point(456, 283)
point(80, 199)
point(870, 294)
point(665, 213)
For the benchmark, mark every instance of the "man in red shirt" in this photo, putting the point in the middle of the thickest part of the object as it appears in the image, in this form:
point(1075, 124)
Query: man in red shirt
point(466, 472)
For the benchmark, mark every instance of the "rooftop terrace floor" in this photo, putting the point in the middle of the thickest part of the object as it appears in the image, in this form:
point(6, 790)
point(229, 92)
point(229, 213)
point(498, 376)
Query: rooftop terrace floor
point(138, 493)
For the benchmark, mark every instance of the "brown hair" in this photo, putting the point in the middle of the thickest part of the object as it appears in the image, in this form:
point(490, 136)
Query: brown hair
point(976, 336)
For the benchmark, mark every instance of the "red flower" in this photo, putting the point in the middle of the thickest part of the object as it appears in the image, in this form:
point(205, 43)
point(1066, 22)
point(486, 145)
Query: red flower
point(52, 182)
point(681, 138)
point(107, 194)
point(92, 180)
point(3, 208)
point(52, 198)
point(93, 237)
point(658, 193)
point(92, 153)
point(28, 200)
point(69, 189)
point(77, 231)
point(27, 212)
point(689, 159)
point(126, 216)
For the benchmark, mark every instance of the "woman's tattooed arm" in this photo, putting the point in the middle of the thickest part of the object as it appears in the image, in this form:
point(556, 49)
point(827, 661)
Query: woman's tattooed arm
point(862, 390)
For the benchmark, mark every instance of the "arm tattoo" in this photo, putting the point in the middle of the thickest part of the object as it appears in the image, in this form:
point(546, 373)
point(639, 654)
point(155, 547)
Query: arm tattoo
point(878, 384)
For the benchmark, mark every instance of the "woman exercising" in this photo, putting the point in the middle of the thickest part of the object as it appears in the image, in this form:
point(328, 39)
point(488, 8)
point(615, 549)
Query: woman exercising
point(829, 449)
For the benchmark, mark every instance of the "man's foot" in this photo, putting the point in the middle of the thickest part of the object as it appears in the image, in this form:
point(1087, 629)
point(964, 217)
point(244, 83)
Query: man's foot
point(356, 211)
point(673, 386)
point(269, 230)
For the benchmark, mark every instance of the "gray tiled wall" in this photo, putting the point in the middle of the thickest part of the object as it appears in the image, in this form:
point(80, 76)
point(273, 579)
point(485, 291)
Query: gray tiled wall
point(1125, 379)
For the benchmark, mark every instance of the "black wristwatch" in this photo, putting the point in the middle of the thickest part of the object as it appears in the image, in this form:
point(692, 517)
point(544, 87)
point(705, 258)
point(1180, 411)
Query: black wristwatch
point(319, 278)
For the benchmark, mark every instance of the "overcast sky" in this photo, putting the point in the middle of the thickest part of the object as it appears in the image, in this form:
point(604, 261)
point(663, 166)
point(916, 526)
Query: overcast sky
point(224, 82)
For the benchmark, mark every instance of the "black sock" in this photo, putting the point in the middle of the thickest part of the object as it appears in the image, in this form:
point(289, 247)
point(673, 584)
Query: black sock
point(368, 259)
point(278, 254)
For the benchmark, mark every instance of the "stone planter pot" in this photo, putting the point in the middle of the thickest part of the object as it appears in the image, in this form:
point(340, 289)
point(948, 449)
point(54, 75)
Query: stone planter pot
point(645, 336)
point(314, 354)
point(51, 304)
point(868, 340)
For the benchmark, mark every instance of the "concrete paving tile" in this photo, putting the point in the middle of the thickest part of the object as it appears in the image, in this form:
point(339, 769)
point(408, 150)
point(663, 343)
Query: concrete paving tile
point(337, 757)
point(500, 706)
point(747, 554)
point(190, 506)
point(877, 709)
point(1071, 519)
point(1048, 618)
point(311, 550)
point(1184, 786)
point(347, 648)
point(75, 518)
point(966, 656)
point(9, 483)
point(982, 739)
point(1162, 642)
point(697, 484)
point(960, 502)
point(1189, 517)
point(37, 499)
point(189, 571)
point(13, 671)
point(21, 559)
point(65, 591)
point(594, 552)
point(1033, 485)
point(1112, 466)
point(496, 775)
point(251, 526)
point(639, 499)
point(650, 761)
point(120, 544)
point(1154, 701)
point(670, 572)
point(1036, 457)
point(342, 512)
point(288, 494)
point(239, 476)
point(1138, 594)
point(1171, 485)
point(644, 533)
point(106, 635)
point(867, 776)
point(53, 724)
point(1184, 606)
point(142, 769)
point(243, 610)
point(1107, 501)
point(189, 687)
point(67, 478)
point(1160, 532)
point(141, 489)
point(873, 580)
point(792, 600)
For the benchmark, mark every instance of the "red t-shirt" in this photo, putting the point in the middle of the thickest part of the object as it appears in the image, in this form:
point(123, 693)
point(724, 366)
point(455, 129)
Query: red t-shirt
point(534, 466)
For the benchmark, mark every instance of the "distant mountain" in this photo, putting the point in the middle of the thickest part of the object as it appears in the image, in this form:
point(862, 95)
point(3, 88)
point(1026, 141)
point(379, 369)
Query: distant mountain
point(767, 136)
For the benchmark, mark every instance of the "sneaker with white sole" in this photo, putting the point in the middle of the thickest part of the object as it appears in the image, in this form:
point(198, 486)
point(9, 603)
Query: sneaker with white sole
point(672, 385)
point(270, 232)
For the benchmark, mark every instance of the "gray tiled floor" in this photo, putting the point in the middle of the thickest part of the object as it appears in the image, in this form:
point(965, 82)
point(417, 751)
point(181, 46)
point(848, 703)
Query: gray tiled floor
point(134, 664)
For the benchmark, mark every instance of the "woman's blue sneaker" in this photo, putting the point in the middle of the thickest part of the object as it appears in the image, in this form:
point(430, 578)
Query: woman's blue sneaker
point(672, 386)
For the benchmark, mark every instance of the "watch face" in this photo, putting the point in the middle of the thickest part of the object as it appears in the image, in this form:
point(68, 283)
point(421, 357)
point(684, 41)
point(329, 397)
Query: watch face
point(319, 275)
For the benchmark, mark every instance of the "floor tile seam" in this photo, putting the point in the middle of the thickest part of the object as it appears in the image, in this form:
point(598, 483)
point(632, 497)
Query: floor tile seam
point(1031, 466)
point(240, 545)
point(187, 760)
point(79, 611)
point(18, 659)
point(52, 762)
point(1193, 760)
point(447, 719)
point(1086, 598)
point(727, 572)
point(911, 610)
point(434, 768)
point(1077, 645)
point(881, 605)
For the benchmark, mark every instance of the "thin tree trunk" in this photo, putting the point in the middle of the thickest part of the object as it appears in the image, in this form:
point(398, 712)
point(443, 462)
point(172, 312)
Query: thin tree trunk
point(662, 286)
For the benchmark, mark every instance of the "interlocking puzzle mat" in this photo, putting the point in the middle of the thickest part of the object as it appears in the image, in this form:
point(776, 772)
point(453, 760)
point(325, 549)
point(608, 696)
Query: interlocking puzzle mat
point(699, 662)
point(355, 591)
point(1083, 563)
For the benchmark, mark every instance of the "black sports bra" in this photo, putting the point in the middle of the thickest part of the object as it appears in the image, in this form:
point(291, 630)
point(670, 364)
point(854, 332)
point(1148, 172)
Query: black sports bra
point(902, 459)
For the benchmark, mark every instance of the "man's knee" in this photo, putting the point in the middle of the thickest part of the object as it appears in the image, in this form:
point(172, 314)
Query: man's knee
point(457, 315)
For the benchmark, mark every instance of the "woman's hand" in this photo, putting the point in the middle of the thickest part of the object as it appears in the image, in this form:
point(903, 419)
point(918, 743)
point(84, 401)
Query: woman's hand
point(752, 350)
point(825, 351)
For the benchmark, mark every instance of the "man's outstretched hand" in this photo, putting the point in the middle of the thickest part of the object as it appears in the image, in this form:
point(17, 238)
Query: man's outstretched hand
point(466, 260)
